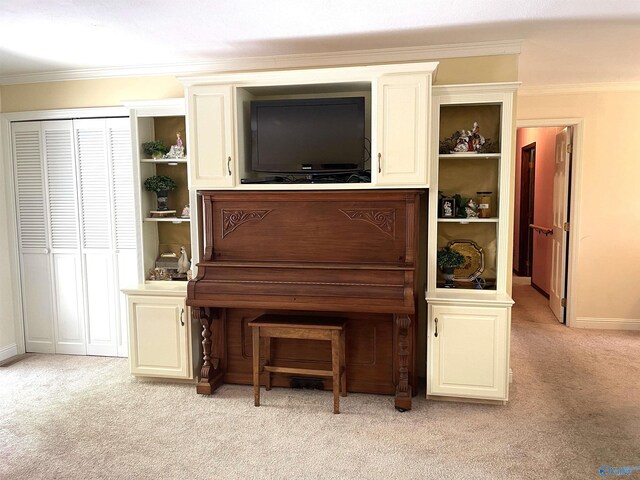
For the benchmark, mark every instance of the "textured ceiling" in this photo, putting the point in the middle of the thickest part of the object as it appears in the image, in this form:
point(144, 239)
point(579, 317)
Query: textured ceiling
point(569, 41)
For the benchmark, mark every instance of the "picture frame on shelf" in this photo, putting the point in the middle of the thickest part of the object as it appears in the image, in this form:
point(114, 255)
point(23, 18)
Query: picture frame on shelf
point(447, 207)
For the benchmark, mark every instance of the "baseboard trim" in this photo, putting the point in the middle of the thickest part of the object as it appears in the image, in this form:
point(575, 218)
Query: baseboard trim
point(607, 323)
point(482, 401)
point(8, 352)
point(540, 290)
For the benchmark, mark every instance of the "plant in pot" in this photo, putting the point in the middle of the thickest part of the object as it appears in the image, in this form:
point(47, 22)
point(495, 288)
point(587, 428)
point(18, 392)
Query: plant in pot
point(160, 184)
point(155, 149)
point(448, 261)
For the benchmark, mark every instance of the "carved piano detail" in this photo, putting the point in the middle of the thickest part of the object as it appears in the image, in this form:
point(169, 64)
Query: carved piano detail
point(349, 252)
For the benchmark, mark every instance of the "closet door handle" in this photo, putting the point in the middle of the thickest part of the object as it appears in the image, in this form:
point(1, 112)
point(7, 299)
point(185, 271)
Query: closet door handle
point(229, 166)
point(379, 163)
point(181, 315)
point(436, 334)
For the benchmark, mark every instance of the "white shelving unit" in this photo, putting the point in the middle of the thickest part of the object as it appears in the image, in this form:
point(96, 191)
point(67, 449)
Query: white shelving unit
point(162, 340)
point(159, 120)
point(468, 327)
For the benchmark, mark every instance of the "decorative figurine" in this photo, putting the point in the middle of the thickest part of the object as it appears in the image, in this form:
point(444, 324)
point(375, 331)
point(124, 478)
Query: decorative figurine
point(471, 209)
point(177, 150)
point(183, 262)
point(186, 212)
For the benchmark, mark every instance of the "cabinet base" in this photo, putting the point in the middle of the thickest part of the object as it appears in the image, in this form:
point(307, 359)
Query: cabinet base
point(484, 401)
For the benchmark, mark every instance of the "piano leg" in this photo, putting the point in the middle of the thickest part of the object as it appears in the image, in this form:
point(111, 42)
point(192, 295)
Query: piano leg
point(211, 372)
point(404, 342)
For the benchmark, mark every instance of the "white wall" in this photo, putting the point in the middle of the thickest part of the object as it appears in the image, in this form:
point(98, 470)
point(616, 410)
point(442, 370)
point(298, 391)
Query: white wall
point(8, 346)
point(607, 265)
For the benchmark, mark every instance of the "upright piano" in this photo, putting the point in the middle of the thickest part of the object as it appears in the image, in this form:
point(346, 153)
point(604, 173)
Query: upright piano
point(353, 253)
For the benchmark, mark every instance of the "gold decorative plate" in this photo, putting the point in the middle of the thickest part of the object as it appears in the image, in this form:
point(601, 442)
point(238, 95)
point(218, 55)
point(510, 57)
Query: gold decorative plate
point(474, 260)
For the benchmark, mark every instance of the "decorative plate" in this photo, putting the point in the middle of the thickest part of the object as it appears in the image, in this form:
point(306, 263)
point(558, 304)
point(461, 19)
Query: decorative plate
point(474, 260)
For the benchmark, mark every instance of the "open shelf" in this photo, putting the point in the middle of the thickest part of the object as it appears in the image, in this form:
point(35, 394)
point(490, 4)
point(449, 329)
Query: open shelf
point(167, 219)
point(468, 220)
point(165, 161)
point(246, 94)
point(466, 156)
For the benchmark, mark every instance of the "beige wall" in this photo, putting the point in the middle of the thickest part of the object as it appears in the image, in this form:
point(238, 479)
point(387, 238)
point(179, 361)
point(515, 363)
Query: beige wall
point(112, 91)
point(7, 317)
point(106, 92)
point(608, 254)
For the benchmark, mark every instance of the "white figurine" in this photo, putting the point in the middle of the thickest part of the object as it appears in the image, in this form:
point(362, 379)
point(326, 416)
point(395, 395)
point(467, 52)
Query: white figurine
point(183, 262)
point(186, 212)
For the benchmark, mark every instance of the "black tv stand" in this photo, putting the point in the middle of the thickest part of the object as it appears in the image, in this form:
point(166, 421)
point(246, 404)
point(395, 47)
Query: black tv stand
point(315, 178)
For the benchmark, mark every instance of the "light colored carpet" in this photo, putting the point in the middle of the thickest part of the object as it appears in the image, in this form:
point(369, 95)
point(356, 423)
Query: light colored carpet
point(575, 405)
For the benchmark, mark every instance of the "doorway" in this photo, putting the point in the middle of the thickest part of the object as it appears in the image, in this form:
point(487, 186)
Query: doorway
point(542, 211)
point(527, 207)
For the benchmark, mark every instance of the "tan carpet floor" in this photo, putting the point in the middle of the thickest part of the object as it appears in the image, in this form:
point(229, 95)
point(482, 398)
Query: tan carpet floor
point(575, 406)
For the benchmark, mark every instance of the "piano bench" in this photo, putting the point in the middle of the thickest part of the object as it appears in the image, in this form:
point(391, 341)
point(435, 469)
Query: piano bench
point(301, 327)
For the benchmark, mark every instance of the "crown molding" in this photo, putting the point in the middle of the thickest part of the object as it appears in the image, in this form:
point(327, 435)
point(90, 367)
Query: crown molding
point(577, 88)
point(329, 59)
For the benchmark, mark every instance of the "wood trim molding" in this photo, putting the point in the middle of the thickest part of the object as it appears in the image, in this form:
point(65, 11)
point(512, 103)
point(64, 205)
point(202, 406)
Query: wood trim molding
point(539, 289)
point(8, 352)
point(607, 323)
point(348, 57)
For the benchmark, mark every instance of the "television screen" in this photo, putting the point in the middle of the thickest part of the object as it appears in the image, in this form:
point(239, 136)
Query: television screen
point(308, 135)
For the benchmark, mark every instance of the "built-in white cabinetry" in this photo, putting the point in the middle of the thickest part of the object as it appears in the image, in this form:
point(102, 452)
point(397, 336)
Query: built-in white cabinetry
point(469, 318)
point(76, 233)
point(402, 106)
point(211, 136)
point(469, 351)
point(161, 341)
point(160, 336)
point(397, 99)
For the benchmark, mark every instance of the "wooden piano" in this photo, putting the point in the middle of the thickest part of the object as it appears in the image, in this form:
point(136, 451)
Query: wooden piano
point(349, 252)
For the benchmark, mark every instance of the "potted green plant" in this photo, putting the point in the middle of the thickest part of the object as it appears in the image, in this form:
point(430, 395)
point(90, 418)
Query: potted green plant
point(448, 261)
point(161, 184)
point(155, 149)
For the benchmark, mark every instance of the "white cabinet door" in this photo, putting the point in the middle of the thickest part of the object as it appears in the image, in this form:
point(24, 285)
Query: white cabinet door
point(211, 145)
point(159, 337)
point(468, 352)
point(402, 109)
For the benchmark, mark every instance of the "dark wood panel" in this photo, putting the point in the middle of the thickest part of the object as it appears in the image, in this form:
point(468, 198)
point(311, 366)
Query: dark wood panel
point(369, 352)
point(320, 227)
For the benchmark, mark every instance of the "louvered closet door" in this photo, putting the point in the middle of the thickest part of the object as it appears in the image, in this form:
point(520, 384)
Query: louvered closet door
point(120, 162)
point(96, 232)
point(66, 265)
point(33, 237)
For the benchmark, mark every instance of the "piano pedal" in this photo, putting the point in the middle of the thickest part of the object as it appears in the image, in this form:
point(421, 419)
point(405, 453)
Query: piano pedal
point(307, 383)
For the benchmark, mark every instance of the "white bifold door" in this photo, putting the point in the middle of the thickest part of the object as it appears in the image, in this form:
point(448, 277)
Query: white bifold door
point(76, 229)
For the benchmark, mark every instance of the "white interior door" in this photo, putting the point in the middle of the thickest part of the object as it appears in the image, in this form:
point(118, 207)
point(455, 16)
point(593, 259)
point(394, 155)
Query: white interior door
point(33, 237)
point(63, 212)
point(560, 218)
point(97, 245)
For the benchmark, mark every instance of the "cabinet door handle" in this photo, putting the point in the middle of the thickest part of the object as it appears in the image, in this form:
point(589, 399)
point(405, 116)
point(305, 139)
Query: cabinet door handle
point(436, 334)
point(181, 315)
point(379, 163)
point(229, 166)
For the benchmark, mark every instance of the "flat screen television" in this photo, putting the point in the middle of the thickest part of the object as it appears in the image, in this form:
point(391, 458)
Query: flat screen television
point(320, 135)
